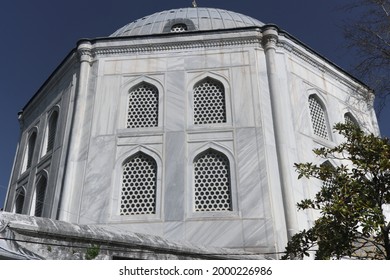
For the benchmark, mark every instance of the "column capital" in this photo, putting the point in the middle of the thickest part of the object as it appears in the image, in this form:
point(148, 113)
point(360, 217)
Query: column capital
point(84, 50)
point(270, 36)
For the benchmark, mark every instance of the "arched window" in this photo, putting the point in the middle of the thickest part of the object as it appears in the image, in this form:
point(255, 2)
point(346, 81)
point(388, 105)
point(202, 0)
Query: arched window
point(19, 200)
point(51, 131)
point(329, 181)
point(349, 119)
point(179, 27)
point(28, 157)
point(139, 183)
point(40, 193)
point(142, 106)
point(209, 102)
point(212, 186)
point(318, 118)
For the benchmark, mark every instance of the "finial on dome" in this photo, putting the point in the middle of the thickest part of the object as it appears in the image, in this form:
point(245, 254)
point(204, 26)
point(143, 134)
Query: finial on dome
point(194, 4)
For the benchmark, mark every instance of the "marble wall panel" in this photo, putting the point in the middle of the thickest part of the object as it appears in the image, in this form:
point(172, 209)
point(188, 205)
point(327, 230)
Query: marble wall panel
point(97, 185)
point(146, 228)
point(206, 61)
point(175, 169)
point(215, 233)
point(213, 135)
point(240, 58)
point(242, 97)
point(264, 173)
point(258, 233)
point(174, 231)
point(175, 101)
point(137, 139)
point(176, 63)
point(248, 187)
point(112, 67)
point(144, 64)
point(106, 108)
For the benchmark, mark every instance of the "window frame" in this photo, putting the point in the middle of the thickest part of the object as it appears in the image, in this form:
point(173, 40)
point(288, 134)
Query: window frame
point(18, 191)
point(123, 103)
point(227, 188)
point(322, 104)
point(45, 150)
point(115, 215)
point(352, 118)
point(134, 89)
point(197, 79)
point(154, 166)
point(191, 212)
point(41, 175)
point(28, 158)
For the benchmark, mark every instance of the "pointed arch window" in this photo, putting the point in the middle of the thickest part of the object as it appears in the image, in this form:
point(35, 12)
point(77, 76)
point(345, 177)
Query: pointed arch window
point(329, 181)
point(349, 119)
point(318, 118)
point(139, 185)
point(209, 102)
point(29, 153)
point(40, 193)
point(212, 183)
point(51, 131)
point(19, 200)
point(143, 106)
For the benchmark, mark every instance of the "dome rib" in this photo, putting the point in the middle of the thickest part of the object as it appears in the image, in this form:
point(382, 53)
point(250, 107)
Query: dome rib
point(202, 19)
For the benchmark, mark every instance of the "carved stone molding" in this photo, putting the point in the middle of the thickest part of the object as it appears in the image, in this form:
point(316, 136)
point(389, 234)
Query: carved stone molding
point(84, 51)
point(173, 46)
point(320, 66)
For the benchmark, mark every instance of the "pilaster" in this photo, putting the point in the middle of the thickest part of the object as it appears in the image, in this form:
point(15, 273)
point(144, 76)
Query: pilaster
point(282, 126)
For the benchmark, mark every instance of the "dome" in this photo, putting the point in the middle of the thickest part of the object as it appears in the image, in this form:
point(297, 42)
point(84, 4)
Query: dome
point(186, 19)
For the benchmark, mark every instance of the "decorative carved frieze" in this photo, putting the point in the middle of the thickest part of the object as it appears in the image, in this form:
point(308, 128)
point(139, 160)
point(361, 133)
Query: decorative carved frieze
point(173, 46)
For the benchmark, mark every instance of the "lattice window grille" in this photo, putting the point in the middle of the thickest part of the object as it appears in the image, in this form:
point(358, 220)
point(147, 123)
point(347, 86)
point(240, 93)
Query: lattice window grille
point(139, 180)
point(19, 201)
point(177, 28)
point(328, 183)
point(318, 119)
point(209, 102)
point(40, 196)
point(52, 127)
point(143, 107)
point(212, 182)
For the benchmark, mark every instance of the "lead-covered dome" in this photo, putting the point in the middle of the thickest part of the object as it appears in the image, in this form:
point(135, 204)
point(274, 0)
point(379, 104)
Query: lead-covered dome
point(186, 19)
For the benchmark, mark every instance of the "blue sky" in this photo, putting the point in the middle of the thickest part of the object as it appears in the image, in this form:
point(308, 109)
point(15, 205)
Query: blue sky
point(36, 35)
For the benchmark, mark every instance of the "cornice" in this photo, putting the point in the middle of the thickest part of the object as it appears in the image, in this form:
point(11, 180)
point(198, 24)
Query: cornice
point(307, 57)
point(175, 46)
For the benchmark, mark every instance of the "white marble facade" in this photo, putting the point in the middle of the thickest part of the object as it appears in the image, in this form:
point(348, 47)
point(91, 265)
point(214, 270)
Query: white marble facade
point(267, 78)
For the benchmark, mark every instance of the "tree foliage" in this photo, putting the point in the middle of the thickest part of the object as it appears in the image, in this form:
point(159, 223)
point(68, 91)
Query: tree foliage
point(368, 33)
point(351, 222)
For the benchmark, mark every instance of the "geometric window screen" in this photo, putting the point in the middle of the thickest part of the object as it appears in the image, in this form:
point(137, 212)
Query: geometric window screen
point(209, 102)
point(143, 107)
point(40, 196)
point(329, 181)
point(181, 27)
point(139, 182)
point(52, 129)
point(318, 119)
point(212, 182)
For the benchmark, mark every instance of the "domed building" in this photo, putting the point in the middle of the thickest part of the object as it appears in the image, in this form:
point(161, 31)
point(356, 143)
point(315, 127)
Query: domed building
point(182, 127)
